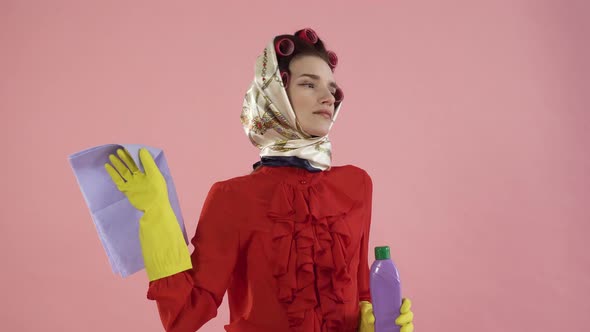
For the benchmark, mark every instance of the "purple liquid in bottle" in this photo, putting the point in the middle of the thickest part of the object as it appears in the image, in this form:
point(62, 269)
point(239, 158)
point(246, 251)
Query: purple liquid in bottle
point(385, 291)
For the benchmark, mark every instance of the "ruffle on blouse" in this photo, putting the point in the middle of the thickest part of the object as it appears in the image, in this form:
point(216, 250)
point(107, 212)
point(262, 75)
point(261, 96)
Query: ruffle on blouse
point(308, 229)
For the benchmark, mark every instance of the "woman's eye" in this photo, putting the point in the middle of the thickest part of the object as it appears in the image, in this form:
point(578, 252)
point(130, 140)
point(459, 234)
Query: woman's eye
point(311, 85)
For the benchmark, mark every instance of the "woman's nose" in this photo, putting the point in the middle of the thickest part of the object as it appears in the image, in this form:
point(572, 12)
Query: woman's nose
point(328, 97)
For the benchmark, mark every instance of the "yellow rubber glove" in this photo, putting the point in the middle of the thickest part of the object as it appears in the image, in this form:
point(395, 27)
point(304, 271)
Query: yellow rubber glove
point(404, 320)
point(162, 244)
point(406, 317)
point(367, 323)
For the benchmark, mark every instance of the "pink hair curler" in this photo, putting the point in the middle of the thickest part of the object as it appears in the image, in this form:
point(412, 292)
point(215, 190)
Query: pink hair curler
point(308, 35)
point(285, 78)
point(332, 59)
point(339, 95)
point(284, 47)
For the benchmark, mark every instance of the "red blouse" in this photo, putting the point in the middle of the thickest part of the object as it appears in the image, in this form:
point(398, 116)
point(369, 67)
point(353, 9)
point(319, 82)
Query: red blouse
point(289, 246)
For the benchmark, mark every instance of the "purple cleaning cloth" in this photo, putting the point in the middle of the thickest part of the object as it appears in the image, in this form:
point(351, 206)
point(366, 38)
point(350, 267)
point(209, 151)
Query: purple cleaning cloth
point(115, 219)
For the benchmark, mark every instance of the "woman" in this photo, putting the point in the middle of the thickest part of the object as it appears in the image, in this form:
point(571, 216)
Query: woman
point(289, 242)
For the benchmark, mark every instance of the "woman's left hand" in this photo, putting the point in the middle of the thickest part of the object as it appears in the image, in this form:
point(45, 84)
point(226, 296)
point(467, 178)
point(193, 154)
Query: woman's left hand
point(406, 318)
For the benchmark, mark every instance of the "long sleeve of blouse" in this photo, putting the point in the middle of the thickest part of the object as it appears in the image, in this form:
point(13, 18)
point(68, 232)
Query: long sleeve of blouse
point(289, 246)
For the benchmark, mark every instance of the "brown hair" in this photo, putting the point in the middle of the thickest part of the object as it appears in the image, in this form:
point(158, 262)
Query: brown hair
point(302, 47)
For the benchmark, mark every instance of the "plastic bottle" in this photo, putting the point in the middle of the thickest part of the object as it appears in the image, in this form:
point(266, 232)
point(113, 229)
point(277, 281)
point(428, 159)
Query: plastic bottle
point(385, 291)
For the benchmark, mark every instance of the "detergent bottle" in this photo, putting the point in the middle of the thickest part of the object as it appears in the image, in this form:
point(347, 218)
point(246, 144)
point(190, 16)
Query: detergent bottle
point(385, 291)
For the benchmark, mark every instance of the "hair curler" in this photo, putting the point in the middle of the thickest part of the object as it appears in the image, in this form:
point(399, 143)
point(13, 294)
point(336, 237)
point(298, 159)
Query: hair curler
point(338, 95)
point(284, 47)
point(332, 59)
point(308, 35)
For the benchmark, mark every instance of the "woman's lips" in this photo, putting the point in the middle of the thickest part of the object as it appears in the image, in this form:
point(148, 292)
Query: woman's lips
point(326, 115)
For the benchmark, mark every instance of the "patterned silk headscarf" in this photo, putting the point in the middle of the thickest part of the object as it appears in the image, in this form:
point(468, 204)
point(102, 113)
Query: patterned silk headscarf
point(270, 122)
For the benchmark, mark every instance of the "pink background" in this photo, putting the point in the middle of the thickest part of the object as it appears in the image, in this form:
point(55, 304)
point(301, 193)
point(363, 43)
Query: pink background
point(471, 117)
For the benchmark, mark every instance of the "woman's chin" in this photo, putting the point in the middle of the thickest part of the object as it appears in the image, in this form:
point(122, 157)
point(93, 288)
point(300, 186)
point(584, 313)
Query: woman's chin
point(318, 133)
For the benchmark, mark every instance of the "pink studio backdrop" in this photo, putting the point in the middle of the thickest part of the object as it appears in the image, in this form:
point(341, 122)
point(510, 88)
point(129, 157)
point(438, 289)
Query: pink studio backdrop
point(471, 117)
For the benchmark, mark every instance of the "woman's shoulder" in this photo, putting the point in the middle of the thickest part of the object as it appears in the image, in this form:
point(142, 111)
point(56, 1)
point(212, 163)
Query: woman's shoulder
point(239, 183)
point(353, 181)
point(346, 174)
point(233, 182)
point(351, 170)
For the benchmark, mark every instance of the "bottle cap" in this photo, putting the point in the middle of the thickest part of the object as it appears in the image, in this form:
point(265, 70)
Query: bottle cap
point(382, 253)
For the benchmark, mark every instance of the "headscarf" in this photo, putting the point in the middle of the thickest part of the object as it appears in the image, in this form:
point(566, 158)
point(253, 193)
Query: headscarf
point(269, 119)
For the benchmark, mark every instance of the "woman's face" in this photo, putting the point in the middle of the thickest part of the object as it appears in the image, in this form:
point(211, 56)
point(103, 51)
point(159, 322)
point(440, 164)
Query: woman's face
point(311, 91)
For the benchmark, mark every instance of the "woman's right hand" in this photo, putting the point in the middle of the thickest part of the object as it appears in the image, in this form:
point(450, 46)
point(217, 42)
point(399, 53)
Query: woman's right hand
point(162, 243)
point(143, 189)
